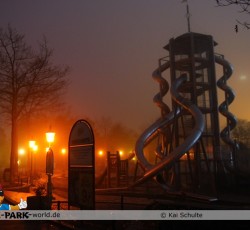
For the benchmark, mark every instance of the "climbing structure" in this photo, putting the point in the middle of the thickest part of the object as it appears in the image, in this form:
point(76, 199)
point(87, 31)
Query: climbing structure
point(117, 170)
point(187, 138)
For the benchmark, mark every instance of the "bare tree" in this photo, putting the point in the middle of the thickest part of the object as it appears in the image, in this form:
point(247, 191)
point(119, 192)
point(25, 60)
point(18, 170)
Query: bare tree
point(29, 83)
point(244, 7)
point(243, 4)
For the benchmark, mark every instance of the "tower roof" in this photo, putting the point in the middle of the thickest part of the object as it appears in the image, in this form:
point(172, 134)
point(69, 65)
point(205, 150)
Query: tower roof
point(184, 43)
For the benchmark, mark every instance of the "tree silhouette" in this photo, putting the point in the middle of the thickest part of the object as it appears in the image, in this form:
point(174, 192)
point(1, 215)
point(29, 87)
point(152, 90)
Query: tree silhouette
point(30, 83)
point(244, 7)
point(242, 132)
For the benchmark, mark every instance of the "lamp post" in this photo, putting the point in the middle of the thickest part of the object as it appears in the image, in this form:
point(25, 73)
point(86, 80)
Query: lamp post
point(50, 137)
point(64, 163)
point(21, 152)
point(32, 145)
point(35, 149)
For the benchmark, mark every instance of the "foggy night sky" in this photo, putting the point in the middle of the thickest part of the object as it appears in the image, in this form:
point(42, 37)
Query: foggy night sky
point(113, 46)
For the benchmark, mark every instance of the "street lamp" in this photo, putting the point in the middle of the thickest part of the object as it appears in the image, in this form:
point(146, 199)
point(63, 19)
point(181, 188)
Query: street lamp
point(50, 137)
point(63, 151)
point(21, 151)
point(35, 149)
point(64, 162)
point(32, 145)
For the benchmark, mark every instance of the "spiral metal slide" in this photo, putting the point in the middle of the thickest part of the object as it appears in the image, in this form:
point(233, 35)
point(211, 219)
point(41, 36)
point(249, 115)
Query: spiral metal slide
point(151, 171)
point(229, 97)
point(167, 162)
point(223, 108)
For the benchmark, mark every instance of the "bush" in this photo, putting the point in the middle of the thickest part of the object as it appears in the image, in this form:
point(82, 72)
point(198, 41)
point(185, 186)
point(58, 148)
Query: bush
point(40, 187)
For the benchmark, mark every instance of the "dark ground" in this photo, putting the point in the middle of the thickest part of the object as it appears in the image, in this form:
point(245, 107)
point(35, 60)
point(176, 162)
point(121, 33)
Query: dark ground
point(126, 225)
point(240, 195)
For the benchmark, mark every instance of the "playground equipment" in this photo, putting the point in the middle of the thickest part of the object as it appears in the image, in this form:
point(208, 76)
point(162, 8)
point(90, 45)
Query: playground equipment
point(116, 173)
point(189, 154)
point(117, 168)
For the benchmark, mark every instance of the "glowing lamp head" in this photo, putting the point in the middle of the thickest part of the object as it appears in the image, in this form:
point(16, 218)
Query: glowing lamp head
point(35, 148)
point(32, 144)
point(50, 137)
point(21, 151)
point(63, 151)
